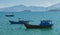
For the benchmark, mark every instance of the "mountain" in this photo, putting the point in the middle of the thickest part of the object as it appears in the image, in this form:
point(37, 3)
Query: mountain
point(55, 7)
point(14, 8)
point(22, 8)
point(19, 8)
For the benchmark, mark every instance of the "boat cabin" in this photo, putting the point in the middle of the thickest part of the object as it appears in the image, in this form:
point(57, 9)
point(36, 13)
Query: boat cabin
point(46, 22)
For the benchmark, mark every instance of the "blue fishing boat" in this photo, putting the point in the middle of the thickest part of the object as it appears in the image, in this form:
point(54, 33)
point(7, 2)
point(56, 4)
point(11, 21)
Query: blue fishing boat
point(43, 24)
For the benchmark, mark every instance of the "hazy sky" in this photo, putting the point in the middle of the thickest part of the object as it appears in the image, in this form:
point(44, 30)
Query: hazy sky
point(8, 3)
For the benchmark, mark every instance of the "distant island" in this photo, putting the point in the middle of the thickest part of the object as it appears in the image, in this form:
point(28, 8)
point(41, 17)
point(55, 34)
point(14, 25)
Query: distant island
point(26, 11)
point(54, 10)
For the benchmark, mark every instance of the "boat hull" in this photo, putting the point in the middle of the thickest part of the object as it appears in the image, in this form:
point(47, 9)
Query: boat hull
point(20, 22)
point(9, 15)
point(37, 26)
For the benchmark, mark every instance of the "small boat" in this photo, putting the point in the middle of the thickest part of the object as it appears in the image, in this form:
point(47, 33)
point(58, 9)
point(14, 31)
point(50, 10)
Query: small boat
point(9, 15)
point(19, 22)
point(27, 11)
point(43, 24)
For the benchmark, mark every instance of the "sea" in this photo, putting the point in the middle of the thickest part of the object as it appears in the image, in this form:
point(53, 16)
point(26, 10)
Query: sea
point(6, 28)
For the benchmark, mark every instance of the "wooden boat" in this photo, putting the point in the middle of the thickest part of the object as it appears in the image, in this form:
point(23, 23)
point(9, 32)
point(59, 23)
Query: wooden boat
point(19, 22)
point(9, 15)
point(39, 26)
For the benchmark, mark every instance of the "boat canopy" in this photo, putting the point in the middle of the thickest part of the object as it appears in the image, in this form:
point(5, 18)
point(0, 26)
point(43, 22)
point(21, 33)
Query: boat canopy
point(46, 21)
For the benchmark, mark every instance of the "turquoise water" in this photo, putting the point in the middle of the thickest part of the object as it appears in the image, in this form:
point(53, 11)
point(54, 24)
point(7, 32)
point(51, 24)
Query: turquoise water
point(7, 29)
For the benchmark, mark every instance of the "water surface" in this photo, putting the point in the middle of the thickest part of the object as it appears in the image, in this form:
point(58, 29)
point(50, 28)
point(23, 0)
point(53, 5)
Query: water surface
point(7, 29)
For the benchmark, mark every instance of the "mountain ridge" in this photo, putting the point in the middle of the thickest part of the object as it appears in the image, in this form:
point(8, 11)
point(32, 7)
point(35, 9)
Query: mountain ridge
point(19, 8)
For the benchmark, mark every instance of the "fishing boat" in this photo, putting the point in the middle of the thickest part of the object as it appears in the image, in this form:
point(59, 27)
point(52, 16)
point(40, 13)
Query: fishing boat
point(19, 22)
point(9, 15)
point(43, 24)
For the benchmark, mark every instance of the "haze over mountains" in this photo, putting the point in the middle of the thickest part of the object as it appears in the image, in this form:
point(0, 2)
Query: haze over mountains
point(20, 8)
